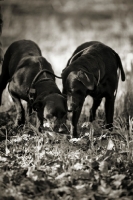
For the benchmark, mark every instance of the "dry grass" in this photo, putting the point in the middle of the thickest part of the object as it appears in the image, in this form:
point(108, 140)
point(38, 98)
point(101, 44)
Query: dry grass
point(50, 166)
point(98, 165)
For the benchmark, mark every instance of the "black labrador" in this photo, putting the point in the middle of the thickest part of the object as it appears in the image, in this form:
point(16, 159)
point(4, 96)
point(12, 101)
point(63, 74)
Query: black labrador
point(31, 78)
point(92, 70)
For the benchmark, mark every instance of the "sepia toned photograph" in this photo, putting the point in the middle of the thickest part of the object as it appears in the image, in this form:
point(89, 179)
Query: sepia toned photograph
point(66, 100)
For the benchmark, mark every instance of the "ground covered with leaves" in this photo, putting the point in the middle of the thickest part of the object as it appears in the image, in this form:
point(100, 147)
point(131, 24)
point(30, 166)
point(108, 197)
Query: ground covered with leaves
point(50, 166)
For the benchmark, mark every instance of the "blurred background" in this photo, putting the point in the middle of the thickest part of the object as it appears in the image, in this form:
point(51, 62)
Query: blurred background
point(59, 26)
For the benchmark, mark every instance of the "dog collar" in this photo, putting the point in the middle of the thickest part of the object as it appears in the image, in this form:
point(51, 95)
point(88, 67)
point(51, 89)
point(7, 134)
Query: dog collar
point(32, 90)
point(78, 54)
point(98, 77)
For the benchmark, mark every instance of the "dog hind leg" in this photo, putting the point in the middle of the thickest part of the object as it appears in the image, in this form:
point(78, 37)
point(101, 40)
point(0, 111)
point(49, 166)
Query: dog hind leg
point(20, 119)
point(96, 103)
point(109, 112)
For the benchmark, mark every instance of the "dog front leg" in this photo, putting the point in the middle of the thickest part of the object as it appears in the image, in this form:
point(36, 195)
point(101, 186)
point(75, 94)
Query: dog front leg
point(29, 109)
point(74, 121)
point(29, 112)
point(109, 112)
point(96, 103)
point(40, 121)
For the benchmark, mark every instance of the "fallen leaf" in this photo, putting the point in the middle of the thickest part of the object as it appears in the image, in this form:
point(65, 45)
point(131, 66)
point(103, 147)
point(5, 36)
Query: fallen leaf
point(105, 190)
point(103, 167)
point(78, 166)
point(64, 174)
point(118, 179)
point(110, 145)
point(115, 194)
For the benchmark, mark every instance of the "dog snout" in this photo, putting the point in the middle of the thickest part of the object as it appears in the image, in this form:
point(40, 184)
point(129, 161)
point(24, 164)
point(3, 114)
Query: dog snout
point(51, 125)
point(70, 106)
point(69, 103)
point(54, 125)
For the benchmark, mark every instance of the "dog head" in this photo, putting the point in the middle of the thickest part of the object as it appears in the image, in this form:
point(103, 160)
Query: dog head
point(52, 109)
point(77, 85)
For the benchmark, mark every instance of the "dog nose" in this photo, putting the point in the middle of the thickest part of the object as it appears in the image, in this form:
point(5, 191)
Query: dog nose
point(62, 128)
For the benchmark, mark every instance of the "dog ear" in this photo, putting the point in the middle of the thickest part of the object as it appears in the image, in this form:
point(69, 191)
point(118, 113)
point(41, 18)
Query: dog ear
point(88, 81)
point(23, 62)
point(29, 60)
point(37, 105)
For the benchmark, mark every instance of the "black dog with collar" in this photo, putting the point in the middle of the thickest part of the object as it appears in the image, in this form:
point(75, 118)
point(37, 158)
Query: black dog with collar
point(31, 78)
point(92, 70)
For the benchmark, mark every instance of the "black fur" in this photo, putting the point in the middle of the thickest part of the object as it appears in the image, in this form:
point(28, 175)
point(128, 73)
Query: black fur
point(22, 62)
point(92, 70)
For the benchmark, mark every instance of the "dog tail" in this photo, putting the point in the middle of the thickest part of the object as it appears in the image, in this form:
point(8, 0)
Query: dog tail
point(120, 66)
